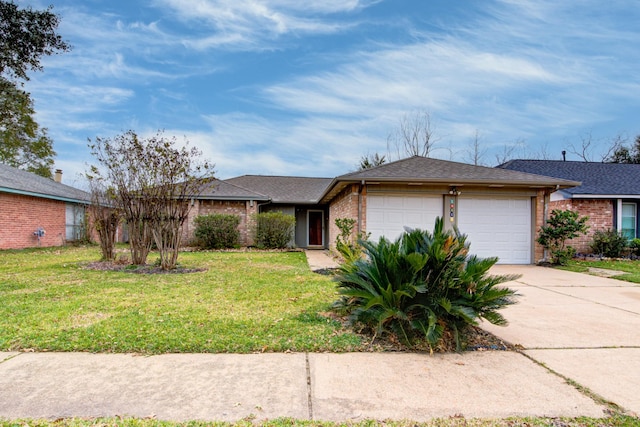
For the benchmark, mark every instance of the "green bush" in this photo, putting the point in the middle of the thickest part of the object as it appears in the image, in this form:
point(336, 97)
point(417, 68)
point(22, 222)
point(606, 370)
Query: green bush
point(274, 230)
point(350, 248)
point(217, 231)
point(562, 226)
point(634, 245)
point(423, 285)
point(609, 243)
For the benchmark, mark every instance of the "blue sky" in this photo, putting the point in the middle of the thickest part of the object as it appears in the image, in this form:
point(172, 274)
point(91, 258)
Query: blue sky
point(289, 87)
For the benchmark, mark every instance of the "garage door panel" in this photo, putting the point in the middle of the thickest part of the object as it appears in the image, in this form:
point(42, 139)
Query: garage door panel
point(388, 215)
point(497, 227)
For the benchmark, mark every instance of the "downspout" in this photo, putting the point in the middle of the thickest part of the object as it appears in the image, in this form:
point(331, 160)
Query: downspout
point(359, 231)
point(545, 217)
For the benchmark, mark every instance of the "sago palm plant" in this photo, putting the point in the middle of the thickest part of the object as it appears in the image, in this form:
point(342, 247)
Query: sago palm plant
point(422, 285)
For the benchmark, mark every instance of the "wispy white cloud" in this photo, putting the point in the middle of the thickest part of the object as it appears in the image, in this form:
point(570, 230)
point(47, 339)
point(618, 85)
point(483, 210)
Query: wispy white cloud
point(251, 24)
point(540, 71)
point(477, 77)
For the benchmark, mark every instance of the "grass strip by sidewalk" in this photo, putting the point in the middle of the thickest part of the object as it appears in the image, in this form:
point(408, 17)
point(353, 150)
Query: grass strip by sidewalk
point(612, 421)
point(244, 302)
point(630, 267)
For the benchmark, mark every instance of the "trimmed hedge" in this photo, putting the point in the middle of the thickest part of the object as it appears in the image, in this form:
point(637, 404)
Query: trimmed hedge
point(217, 231)
point(274, 230)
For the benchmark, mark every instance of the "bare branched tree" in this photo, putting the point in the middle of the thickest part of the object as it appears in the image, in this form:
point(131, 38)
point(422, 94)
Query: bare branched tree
point(543, 153)
point(475, 152)
point(618, 151)
point(179, 178)
point(509, 151)
point(414, 136)
point(124, 167)
point(154, 182)
point(585, 151)
point(104, 213)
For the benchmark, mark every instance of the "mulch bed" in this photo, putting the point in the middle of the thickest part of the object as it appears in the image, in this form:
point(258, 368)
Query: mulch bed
point(473, 338)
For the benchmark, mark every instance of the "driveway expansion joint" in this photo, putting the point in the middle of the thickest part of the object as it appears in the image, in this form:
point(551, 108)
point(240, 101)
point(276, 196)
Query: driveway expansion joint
point(10, 356)
point(309, 396)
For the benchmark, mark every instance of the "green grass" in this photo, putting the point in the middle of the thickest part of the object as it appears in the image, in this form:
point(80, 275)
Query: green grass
point(630, 267)
point(244, 302)
point(614, 421)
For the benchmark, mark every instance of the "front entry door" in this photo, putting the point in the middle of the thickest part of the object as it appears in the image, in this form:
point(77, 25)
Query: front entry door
point(316, 218)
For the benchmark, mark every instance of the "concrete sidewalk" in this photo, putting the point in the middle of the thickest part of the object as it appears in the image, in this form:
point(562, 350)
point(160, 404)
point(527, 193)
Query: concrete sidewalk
point(320, 259)
point(336, 387)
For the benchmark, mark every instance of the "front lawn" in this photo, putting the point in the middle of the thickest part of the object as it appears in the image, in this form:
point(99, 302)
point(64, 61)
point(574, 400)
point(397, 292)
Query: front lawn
point(244, 302)
point(630, 267)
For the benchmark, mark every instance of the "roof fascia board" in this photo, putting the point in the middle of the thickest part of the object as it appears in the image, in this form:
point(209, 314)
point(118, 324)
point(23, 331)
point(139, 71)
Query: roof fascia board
point(605, 196)
point(238, 198)
point(560, 183)
point(43, 196)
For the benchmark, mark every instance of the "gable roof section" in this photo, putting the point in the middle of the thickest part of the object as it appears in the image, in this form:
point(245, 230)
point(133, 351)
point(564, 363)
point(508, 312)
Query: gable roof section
point(284, 189)
point(419, 169)
point(223, 190)
point(16, 181)
point(598, 179)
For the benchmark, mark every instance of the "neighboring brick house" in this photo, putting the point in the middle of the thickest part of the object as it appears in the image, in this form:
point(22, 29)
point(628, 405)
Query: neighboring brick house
point(37, 211)
point(609, 194)
point(500, 210)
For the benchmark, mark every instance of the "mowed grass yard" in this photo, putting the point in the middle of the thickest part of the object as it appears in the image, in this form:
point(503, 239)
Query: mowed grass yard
point(244, 302)
point(631, 268)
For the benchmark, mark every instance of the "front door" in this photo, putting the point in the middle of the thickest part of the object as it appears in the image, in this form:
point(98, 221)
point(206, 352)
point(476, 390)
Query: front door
point(316, 218)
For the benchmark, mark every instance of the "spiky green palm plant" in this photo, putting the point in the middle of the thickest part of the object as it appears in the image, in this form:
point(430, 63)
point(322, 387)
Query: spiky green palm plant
point(422, 285)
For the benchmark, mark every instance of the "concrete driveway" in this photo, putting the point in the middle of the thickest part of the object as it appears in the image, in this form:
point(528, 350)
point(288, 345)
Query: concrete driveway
point(585, 328)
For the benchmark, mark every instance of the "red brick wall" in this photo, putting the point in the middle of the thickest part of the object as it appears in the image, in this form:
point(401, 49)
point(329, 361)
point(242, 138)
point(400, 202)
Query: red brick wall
point(600, 213)
point(539, 219)
point(345, 205)
point(21, 215)
point(230, 207)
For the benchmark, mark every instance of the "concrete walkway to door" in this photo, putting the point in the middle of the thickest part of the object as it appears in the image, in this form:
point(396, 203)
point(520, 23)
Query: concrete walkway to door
point(585, 328)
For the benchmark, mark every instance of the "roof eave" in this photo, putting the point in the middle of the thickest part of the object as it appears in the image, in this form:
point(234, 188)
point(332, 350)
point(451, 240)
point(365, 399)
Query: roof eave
point(231, 198)
point(603, 196)
point(44, 196)
point(556, 184)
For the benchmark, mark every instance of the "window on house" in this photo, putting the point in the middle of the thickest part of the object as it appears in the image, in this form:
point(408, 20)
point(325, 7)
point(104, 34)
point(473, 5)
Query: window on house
point(629, 220)
point(74, 222)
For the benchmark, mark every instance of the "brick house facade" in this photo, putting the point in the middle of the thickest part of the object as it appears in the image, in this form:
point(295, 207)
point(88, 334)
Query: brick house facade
point(23, 215)
point(29, 202)
point(600, 213)
point(318, 202)
point(245, 210)
point(432, 188)
point(350, 203)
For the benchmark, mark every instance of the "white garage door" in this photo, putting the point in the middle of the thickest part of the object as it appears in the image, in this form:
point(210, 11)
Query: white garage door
point(387, 215)
point(497, 227)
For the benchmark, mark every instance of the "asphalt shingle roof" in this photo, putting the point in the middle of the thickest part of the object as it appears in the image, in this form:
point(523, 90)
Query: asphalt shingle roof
point(419, 169)
point(13, 180)
point(425, 169)
point(224, 190)
point(596, 178)
point(284, 189)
